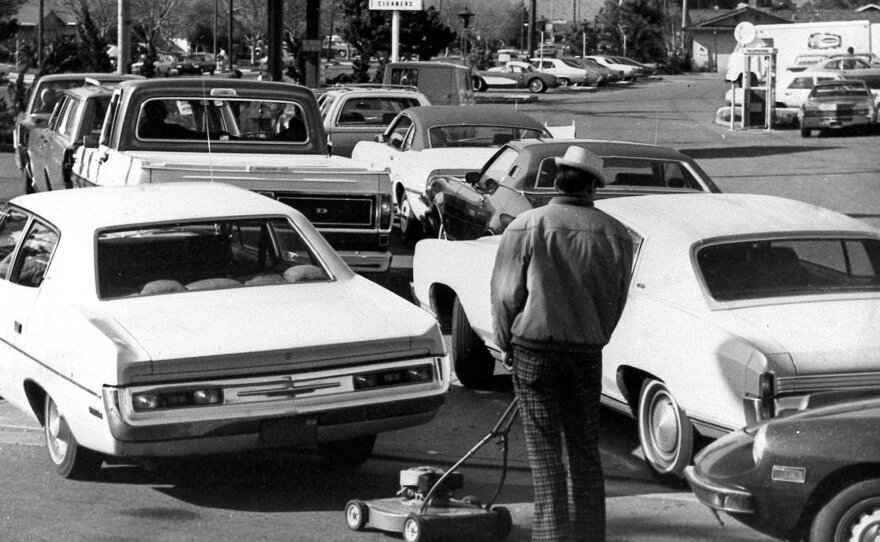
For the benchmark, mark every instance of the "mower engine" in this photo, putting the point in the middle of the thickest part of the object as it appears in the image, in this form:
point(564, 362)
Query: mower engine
point(417, 482)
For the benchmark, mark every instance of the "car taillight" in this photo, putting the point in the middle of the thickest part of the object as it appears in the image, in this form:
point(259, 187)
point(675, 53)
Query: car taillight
point(385, 212)
point(155, 400)
point(766, 396)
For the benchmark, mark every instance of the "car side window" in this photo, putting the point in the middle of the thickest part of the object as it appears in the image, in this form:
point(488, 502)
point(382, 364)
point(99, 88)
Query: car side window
point(12, 226)
point(546, 173)
point(68, 124)
point(33, 258)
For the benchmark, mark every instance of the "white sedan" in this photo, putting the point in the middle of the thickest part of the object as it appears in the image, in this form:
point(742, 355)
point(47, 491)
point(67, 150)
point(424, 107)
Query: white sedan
point(739, 306)
point(186, 318)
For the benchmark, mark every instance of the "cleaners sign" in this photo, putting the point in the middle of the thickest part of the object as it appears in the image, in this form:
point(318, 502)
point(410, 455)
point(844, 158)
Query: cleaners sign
point(396, 5)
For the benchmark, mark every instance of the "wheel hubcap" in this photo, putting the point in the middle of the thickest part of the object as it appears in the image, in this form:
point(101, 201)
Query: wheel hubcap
point(664, 427)
point(865, 527)
point(57, 434)
point(354, 515)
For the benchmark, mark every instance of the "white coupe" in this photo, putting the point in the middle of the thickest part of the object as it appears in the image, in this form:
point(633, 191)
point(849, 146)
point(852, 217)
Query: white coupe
point(177, 319)
point(740, 306)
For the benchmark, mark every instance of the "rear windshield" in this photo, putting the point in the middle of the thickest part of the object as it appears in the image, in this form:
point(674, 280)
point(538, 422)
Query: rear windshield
point(479, 136)
point(776, 268)
point(221, 120)
point(208, 255)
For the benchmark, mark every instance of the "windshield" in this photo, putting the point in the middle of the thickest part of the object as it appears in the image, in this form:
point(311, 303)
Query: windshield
point(786, 267)
point(207, 255)
point(848, 89)
point(222, 120)
point(479, 136)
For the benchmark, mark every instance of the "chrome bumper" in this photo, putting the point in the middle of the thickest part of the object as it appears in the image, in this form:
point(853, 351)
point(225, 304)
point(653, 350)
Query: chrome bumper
point(719, 497)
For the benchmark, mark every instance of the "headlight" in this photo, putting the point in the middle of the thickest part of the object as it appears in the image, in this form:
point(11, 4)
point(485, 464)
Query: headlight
point(393, 377)
point(759, 446)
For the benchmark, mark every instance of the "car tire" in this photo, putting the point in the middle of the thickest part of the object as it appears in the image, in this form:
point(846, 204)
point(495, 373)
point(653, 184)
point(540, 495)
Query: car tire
point(474, 365)
point(564, 82)
point(410, 227)
point(352, 452)
point(69, 458)
point(852, 514)
point(357, 515)
point(806, 132)
point(666, 434)
point(537, 86)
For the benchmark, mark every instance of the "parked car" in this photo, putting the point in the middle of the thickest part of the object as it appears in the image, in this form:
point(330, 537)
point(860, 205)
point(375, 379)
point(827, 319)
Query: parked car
point(424, 142)
point(644, 70)
point(204, 62)
point(42, 97)
point(849, 68)
point(598, 73)
point(520, 177)
point(80, 113)
point(739, 306)
point(194, 318)
point(359, 113)
point(792, 89)
point(611, 75)
point(167, 64)
point(811, 476)
point(515, 74)
point(566, 72)
point(837, 104)
point(629, 71)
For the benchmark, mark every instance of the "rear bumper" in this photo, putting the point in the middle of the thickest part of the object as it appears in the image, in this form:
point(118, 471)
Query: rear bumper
point(836, 122)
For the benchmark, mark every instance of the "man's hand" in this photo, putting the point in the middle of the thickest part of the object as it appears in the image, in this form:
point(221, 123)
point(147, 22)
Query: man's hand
point(507, 361)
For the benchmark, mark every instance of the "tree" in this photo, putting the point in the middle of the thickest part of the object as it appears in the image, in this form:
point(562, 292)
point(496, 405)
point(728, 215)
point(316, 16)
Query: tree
point(637, 24)
point(95, 46)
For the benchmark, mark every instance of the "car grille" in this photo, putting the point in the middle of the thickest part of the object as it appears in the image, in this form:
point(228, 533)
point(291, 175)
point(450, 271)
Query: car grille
point(799, 385)
point(334, 212)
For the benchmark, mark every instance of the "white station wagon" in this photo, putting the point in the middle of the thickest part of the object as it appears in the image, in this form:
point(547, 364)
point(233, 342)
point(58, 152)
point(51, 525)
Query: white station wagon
point(740, 306)
point(177, 319)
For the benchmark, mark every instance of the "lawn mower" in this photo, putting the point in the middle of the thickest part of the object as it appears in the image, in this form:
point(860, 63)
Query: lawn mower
point(425, 508)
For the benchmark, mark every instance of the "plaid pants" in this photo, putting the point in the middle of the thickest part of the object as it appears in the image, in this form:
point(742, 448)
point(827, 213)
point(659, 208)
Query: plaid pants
point(559, 393)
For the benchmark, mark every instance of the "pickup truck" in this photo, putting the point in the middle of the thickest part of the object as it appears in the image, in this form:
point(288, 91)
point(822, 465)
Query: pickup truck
point(263, 136)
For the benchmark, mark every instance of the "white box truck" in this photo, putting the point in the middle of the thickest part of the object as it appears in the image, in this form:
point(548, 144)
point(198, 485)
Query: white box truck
point(796, 39)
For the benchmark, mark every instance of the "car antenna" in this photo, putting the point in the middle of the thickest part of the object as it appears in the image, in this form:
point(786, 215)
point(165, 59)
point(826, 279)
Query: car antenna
point(207, 131)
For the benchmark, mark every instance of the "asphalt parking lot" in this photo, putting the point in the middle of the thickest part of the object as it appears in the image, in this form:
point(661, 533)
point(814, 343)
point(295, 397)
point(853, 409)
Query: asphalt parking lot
point(839, 171)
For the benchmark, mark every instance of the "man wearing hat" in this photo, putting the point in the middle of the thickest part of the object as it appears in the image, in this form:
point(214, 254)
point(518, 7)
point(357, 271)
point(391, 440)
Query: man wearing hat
point(558, 288)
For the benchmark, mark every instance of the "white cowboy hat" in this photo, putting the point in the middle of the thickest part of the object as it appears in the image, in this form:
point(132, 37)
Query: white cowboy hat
point(584, 160)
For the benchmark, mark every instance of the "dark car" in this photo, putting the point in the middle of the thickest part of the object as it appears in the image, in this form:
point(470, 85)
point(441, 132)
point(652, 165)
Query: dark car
point(205, 62)
point(814, 475)
point(520, 177)
point(44, 93)
point(80, 113)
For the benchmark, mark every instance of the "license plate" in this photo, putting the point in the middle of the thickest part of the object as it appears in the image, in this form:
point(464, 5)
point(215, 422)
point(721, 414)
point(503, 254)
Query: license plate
point(289, 432)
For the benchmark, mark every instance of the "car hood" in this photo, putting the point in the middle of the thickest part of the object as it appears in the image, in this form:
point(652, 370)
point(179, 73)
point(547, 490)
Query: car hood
point(316, 324)
point(821, 337)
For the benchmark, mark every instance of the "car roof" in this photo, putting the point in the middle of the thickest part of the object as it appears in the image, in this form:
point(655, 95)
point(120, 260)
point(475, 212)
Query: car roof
point(839, 82)
point(83, 76)
point(472, 114)
point(599, 147)
point(96, 208)
point(713, 216)
point(372, 90)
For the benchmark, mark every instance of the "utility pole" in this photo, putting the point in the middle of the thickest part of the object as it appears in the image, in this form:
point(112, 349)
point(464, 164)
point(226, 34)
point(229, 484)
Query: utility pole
point(123, 41)
point(533, 7)
point(40, 16)
point(230, 57)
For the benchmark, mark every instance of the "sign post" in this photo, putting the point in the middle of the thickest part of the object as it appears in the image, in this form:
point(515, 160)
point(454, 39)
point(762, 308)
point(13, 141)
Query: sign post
point(395, 6)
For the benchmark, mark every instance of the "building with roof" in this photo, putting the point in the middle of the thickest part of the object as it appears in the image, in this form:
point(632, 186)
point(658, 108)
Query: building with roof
point(58, 20)
point(712, 29)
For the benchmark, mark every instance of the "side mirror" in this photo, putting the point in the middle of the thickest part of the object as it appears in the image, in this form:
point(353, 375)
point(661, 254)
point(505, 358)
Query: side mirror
point(90, 141)
point(471, 177)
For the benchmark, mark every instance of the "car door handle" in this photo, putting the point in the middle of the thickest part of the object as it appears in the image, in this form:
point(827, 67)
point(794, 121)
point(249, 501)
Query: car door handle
point(17, 326)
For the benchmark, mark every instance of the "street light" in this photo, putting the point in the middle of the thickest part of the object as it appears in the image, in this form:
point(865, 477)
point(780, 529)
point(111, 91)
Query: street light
point(465, 16)
point(623, 30)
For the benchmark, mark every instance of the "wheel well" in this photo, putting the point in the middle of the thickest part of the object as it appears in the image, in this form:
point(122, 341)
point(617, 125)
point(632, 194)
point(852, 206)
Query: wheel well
point(36, 397)
point(442, 300)
point(830, 486)
point(629, 380)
